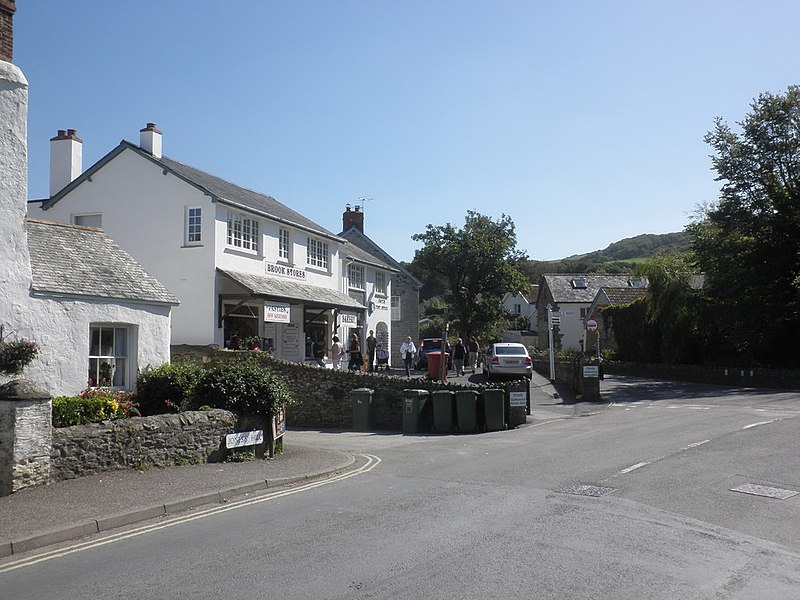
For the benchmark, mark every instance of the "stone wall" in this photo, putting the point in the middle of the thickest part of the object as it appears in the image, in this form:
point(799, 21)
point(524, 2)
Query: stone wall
point(735, 376)
point(323, 395)
point(185, 438)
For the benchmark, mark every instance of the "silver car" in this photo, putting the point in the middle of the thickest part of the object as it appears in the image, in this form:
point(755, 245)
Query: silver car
point(507, 359)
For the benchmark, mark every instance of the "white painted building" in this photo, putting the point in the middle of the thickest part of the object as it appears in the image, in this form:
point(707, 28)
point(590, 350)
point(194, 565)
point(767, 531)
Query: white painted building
point(242, 264)
point(95, 313)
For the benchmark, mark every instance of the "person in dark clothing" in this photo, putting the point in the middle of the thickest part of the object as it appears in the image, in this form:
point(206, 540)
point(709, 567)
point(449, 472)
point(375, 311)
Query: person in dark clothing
point(372, 343)
point(473, 348)
point(459, 355)
point(355, 354)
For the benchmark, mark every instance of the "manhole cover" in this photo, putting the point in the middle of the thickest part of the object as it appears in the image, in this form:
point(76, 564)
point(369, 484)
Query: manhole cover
point(585, 489)
point(762, 490)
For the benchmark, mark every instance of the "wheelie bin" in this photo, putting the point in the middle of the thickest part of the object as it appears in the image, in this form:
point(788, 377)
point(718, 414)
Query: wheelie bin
point(442, 411)
point(362, 403)
point(494, 405)
point(467, 410)
point(434, 364)
point(416, 411)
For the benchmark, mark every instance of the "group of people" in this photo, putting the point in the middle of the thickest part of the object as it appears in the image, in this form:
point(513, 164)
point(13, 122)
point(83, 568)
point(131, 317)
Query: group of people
point(464, 355)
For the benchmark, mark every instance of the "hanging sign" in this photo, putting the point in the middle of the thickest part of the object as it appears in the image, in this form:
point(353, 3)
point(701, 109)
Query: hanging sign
point(277, 312)
point(350, 319)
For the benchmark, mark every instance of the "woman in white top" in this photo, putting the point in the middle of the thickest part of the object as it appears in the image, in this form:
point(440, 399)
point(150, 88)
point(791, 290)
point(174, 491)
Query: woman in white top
point(407, 352)
point(337, 352)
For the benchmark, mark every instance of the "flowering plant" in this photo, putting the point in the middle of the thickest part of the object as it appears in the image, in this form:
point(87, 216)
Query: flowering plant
point(14, 355)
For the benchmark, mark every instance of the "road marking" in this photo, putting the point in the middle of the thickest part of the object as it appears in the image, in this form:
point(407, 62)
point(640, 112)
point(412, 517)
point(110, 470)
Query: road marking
point(696, 444)
point(634, 467)
point(372, 462)
point(759, 423)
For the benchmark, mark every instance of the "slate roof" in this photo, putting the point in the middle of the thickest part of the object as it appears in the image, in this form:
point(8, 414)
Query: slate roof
point(266, 286)
point(361, 255)
point(84, 261)
point(359, 239)
point(626, 295)
point(219, 189)
point(563, 291)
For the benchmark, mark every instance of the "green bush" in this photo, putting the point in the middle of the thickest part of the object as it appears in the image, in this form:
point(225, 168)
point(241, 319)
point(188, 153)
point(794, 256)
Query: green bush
point(93, 406)
point(14, 355)
point(242, 388)
point(167, 388)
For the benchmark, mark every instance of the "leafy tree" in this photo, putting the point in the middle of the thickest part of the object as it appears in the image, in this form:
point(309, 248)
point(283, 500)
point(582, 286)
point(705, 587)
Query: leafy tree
point(748, 243)
point(480, 263)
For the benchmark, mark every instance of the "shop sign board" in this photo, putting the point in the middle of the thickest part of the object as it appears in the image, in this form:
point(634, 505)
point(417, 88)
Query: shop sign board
point(277, 312)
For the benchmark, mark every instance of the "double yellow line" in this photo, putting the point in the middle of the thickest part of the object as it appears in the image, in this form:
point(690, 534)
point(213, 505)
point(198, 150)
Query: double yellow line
point(371, 463)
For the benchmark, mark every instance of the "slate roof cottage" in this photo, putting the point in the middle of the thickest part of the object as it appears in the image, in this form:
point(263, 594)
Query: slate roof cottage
point(242, 264)
point(96, 314)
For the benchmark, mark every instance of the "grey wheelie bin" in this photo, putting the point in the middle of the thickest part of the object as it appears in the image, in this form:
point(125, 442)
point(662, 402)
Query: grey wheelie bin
point(362, 402)
point(416, 411)
point(442, 411)
point(467, 410)
point(494, 405)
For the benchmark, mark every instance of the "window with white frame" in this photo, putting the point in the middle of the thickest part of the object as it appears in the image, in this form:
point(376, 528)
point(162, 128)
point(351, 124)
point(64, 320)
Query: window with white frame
point(396, 308)
point(108, 356)
point(380, 283)
point(317, 253)
point(193, 227)
point(355, 276)
point(283, 244)
point(242, 232)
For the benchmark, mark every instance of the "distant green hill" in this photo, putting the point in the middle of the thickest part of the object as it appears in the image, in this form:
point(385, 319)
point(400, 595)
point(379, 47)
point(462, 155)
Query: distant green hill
point(619, 257)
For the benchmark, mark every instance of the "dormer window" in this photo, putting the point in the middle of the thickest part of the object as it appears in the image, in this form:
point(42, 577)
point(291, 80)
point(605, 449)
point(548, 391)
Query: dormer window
point(579, 283)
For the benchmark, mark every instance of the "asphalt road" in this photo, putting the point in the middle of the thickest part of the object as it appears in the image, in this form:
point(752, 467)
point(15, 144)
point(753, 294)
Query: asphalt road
point(628, 501)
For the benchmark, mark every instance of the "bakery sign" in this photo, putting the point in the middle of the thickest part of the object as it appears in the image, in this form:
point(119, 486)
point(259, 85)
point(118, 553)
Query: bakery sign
point(277, 312)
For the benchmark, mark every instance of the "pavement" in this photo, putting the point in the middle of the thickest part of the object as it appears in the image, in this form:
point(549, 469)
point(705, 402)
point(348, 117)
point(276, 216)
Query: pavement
point(50, 514)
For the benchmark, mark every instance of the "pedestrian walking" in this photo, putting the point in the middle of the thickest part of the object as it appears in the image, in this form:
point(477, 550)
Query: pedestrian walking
point(372, 344)
point(337, 353)
point(407, 352)
point(355, 354)
point(473, 349)
point(459, 355)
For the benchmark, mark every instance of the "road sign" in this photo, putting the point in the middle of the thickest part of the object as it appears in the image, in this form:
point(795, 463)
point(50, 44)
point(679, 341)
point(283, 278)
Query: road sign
point(591, 325)
point(244, 438)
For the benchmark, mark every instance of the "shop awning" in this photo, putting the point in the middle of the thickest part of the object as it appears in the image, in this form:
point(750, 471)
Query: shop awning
point(286, 290)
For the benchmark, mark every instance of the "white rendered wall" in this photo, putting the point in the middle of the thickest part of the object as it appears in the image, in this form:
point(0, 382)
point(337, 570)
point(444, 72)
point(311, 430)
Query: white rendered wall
point(571, 326)
point(144, 212)
point(61, 328)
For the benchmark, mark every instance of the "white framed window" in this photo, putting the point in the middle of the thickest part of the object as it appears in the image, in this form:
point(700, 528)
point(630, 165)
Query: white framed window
point(242, 232)
point(396, 316)
point(317, 253)
point(93, 220)
point(355, 276)
point(380, 283)
point(108, 355)
point(193, 226)
point(283, 244)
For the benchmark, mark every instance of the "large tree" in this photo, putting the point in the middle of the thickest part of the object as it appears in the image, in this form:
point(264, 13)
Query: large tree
point(748, 243)
point(480, 262)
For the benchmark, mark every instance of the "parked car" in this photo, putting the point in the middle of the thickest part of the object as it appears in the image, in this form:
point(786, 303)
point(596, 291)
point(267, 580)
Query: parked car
point(431, 345)
point(507, 359)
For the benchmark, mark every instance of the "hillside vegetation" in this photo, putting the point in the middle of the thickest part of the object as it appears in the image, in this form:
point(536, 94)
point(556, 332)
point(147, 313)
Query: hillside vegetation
point(619, 257)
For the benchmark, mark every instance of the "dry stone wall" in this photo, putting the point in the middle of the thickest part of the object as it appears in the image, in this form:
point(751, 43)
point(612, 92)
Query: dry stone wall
point(185, 438)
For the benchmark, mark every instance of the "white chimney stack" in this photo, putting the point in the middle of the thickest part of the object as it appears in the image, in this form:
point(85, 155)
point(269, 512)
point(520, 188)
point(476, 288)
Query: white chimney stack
point(66, 159)
point(150, 140)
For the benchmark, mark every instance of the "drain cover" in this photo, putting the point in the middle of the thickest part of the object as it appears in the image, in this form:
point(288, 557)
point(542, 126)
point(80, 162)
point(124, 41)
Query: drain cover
point(585, 489)
point(762, 490)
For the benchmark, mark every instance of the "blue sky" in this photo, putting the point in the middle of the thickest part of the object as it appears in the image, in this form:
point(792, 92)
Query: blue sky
point(582, 120)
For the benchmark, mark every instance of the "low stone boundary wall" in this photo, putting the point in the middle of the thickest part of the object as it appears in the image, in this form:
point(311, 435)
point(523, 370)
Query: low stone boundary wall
point(162, 440)
point(734, 376)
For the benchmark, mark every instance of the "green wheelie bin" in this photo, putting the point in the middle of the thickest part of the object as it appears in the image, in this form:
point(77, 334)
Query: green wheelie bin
point(494, 404)
point(416, 411)
point(362, 402)
point(467, 410)
point(442, 411)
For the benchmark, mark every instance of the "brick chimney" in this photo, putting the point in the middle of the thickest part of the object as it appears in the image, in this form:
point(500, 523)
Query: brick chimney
point(150, 140)
point(7, 10)
point(353, 218)
point(66, 159)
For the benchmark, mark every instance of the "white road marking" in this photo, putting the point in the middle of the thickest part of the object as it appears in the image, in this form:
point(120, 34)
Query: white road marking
point(696, 444)
point(759, 423)
point(634, 467)
point(372, 462)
